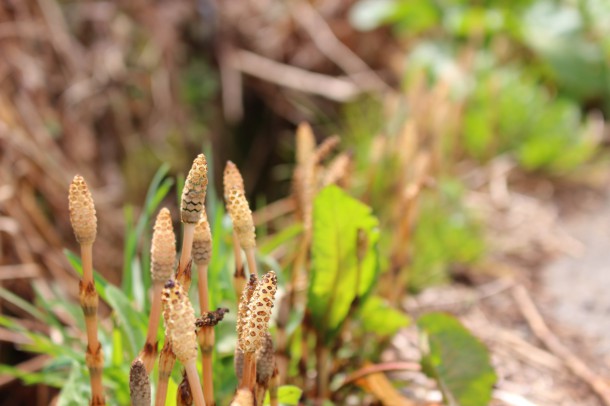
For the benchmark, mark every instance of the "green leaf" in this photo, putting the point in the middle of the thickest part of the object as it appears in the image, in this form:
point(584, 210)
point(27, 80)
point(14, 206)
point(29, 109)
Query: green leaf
point(33, 378)
point(379, 317)
point(71, 393)
point(286, 395)
point(23, 305)
point(337, 217)
point(131, 322)
point(457, 360)
point(158, 189)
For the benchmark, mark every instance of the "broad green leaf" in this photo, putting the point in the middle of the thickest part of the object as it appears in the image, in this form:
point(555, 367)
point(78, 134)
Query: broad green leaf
point(286, 395)
point(379, 317)
point(337, 217)
point(457, 360)
point(131, 322)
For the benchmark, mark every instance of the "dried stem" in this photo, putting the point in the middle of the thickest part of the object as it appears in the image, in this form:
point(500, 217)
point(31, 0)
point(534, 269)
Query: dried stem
point(149, 353)
point(193, 378)
point(167, 359)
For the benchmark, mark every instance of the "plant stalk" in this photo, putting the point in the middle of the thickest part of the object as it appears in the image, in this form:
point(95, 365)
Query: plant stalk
point(187, 245)
point(193, 378)
point(207, 337)
point(322, 353)
point(149, 353)
point(89, 301)
point(251, 257)
point(248, 379)
point(239, 277)
point(167, 358)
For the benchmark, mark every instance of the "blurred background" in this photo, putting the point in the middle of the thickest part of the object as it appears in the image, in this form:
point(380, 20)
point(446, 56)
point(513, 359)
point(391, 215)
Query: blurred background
point(503, 96)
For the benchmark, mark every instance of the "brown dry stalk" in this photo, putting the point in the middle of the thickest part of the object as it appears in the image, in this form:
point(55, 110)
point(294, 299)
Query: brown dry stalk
point(192, 204)
point(184, 397)
point(179, 319)
point(139, 384)
point(167, 358)
point(84, 224)
point(163, 258)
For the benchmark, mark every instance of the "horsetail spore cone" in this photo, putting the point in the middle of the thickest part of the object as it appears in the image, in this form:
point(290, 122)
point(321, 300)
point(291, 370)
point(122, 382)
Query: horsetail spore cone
point(241, 215)
point(82, 211)
point(84, 224)
point(255, 325)
point(192, 204)
point(193, 194)
point(162, 258)
point(232, 179)
point(259, 313)
point(179, 319)
point(202, 241)
point(243, 227)
point(139, 384)
point(163, 250)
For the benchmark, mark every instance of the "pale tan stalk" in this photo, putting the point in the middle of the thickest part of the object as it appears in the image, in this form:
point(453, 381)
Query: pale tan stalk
point(239, 276)
point(202, 252)
point(187, 245)
point(251, 257)
point(84, 224)
point(193, 377)
point(86, 254)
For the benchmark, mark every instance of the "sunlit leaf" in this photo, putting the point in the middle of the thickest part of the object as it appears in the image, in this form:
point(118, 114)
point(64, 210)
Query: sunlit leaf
point(378, 317)
point(286, 395)
point(337, 217)
point(457, 360)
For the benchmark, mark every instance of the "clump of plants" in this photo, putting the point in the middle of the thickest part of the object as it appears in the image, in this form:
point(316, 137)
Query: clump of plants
point(300, 330)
